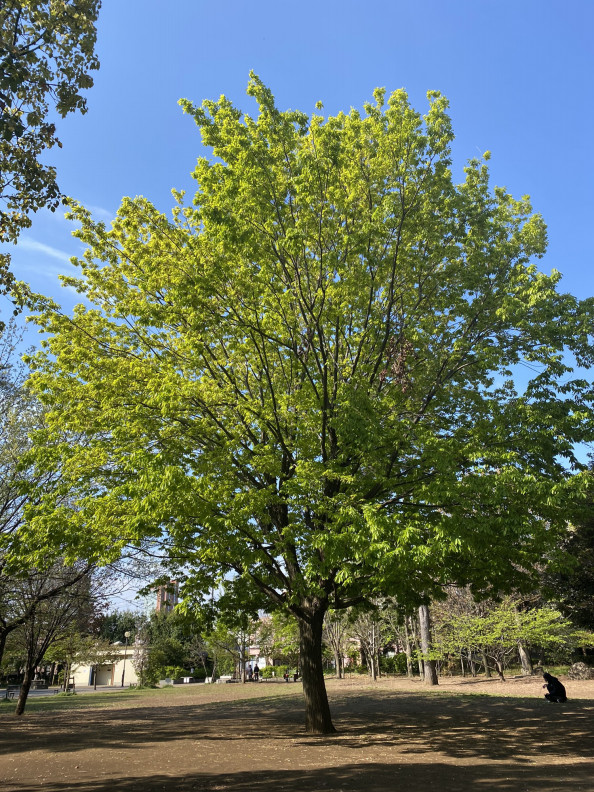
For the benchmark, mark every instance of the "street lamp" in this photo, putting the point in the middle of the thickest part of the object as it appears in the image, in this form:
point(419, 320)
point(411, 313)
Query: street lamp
point(127, 635)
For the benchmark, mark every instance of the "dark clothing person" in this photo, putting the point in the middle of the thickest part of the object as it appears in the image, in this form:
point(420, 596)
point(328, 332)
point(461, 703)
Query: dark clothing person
point(556, 690)
point(256, 673)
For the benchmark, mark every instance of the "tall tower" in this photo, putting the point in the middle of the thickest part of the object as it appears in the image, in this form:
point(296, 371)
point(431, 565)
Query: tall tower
point(167, 596)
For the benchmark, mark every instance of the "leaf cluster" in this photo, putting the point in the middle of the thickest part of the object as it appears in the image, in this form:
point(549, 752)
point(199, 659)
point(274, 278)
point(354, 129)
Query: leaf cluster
point(46, 54)
point(303, 383)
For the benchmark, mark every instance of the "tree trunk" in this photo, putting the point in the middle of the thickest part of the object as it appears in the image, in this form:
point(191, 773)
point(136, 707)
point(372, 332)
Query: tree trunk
point(338, 665)
point(373, 661)
point(3, 636)
point(417, 648)
point(430, 672)
point(317, 709)
point(24, 691)
point(408, 651)
point(499, 669)
point(486, 664)
point(525, 659)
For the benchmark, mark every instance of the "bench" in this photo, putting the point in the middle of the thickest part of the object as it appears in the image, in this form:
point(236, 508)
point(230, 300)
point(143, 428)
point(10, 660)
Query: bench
point(12, 691)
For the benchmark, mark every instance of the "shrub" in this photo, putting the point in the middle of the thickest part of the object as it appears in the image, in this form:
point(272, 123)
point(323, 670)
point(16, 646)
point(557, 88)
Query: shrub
point(174, 672)
point(358, 669)
point(400, 663)
point(387, 665)
point(274, 671)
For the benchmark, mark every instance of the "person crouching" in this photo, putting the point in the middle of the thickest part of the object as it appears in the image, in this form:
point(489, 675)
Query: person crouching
point(556, 690)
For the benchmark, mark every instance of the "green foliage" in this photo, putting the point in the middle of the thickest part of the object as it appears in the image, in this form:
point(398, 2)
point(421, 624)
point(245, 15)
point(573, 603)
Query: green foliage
point(46, 53)
point(393, 665)
point(499, 630)
point(278, 638)
point(569, 581)
point(31, 583)
point(357, 669)
point(332, 396)
point(276, 671)
point(165, 654)
point(165, 645)
point(20, 414)
point(114, 625)
point(226, 647)
point(175, 672)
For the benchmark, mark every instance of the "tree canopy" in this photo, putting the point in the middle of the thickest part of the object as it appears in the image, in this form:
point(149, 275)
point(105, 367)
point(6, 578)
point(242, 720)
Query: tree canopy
point(46, 53)
point(303, 383)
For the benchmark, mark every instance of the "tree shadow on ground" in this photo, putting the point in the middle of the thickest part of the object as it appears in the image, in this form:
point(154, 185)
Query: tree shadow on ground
point(467, 726)
point(414, 725)
point(371, 777)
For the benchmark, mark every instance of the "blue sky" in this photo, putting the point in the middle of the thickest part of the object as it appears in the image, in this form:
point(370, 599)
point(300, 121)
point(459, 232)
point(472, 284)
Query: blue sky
point(518, 76)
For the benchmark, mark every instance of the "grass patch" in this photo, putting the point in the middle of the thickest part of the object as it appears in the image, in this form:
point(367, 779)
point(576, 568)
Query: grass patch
point(193, 695)
point(70, 701)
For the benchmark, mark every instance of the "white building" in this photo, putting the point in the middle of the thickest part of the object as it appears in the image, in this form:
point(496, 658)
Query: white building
point(111, 673)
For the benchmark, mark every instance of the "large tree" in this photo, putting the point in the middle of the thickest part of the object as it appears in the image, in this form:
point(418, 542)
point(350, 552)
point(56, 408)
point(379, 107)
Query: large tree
point(303, 383)
point(46, 54)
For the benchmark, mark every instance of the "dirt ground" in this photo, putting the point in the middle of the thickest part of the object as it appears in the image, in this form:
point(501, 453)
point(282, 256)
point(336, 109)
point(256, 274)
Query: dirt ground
point(392, 735)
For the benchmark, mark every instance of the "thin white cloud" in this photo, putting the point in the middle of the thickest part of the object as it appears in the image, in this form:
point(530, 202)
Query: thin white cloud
point(26, 243)
point(98, 213)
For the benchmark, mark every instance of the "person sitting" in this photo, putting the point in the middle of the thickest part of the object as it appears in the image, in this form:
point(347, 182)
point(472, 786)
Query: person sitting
point(556, 694)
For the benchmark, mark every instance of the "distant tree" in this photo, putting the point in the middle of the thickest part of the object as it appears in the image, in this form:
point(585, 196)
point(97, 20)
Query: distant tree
point(338, 636)
point(46, 54)
point(368, 627)
point(305, 380)
point(163, 641)
point(140, 655)
point(113, 625)
point(278, 638)
point(498, 631)
point(60, 616)
point(226, 646)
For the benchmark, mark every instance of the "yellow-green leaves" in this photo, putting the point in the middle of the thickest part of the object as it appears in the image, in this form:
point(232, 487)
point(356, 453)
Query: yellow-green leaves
point(304, 378)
